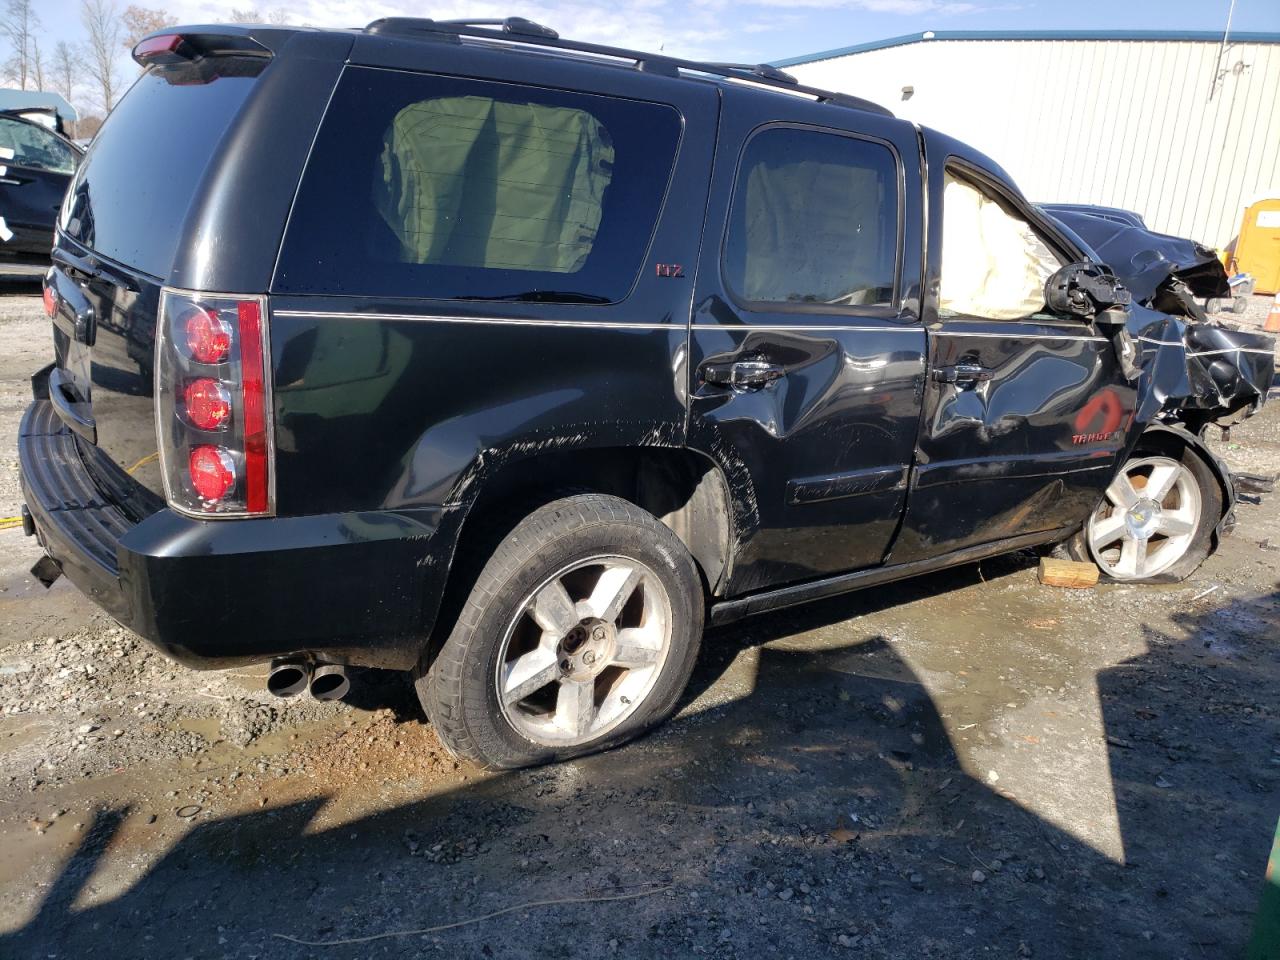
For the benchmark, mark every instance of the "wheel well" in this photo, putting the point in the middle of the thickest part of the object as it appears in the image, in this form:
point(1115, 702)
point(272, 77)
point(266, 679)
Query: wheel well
point(681, 488)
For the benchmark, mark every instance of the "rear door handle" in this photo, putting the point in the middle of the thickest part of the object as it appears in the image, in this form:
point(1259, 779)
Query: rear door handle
point(962, 373)
point(743, 374)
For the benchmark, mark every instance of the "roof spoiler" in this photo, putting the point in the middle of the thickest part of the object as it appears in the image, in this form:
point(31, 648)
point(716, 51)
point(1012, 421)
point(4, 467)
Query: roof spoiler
point(187, 45)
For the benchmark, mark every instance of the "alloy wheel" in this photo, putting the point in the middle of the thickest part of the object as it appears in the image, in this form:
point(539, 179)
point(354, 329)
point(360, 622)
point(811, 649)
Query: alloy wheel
point(1148, 520)
point(584, 650)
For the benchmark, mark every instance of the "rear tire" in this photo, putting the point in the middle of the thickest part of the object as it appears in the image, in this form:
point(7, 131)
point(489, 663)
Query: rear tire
point(1134, 537)
point(579, 634)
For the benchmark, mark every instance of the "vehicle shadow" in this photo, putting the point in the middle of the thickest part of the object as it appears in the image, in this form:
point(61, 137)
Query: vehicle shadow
point(1194, 747)
point(824, 811)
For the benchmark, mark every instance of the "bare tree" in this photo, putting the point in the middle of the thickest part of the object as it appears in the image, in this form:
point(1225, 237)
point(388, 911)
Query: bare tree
point(37, 63)
point(67, 63)
point(105, 34)
point(276, 15)
point(19, 26)
point(139, 21)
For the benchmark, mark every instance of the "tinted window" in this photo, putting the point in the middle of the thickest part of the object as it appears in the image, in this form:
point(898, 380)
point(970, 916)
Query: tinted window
point(27, 145)
point(135, 186)
point(814, 221)
point(438, 187)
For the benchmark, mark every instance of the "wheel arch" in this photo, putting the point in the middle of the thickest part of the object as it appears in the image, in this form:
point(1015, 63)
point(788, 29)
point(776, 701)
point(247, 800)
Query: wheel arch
point(684, 489)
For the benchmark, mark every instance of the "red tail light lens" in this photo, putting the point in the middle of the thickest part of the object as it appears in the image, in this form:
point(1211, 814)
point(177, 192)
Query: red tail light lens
point(253, 392)
point(213, 472)
point(208, 335)
point(208, 404)
point(211, 375)
point(50, 302)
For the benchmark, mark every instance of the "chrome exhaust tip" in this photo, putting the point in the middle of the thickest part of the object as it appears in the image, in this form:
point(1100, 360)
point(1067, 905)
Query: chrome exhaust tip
point(288, 678)
point(329, 681)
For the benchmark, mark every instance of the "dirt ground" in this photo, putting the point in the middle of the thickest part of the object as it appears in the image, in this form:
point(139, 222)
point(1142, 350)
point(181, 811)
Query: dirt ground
point(964, 766)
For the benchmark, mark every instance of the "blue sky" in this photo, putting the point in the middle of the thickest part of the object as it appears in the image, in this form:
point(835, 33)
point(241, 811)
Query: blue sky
point(752, 31)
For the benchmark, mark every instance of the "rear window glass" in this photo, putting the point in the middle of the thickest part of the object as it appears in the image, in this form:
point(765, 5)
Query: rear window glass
point(132, 193)
point(814, 221)
point(438, 187)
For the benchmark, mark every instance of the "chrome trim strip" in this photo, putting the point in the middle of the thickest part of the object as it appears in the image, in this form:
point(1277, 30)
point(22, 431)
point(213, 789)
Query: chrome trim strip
point(590, 324)
point(1017, 336)
point(506, 321)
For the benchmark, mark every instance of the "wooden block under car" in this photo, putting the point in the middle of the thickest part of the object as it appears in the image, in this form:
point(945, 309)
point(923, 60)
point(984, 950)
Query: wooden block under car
point(1068, 573)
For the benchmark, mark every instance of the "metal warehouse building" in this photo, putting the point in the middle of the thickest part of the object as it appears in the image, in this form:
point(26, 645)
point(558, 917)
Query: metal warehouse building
point(1180, 127)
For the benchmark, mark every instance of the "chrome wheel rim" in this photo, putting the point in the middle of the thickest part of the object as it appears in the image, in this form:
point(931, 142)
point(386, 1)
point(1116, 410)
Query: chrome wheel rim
point(584, 651)
point(1148, 519)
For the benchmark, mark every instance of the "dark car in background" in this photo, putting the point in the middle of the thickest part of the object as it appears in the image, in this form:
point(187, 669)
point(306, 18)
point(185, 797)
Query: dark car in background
point(510, 362)
point(36, 165)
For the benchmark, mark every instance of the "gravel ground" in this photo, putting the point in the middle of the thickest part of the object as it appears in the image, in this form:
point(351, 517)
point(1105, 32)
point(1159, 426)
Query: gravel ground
point(965, 766)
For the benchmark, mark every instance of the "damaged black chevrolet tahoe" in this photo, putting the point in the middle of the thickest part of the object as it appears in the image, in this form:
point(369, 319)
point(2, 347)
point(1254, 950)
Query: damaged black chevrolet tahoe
point(459, 349)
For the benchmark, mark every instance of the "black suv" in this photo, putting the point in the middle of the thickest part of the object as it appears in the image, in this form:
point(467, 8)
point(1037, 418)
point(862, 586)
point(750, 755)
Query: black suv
point(36, 164)
point(461, 349)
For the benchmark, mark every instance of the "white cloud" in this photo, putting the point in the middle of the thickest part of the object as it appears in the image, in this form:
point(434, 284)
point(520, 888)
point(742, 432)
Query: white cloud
point(682, 29)
point(690, 28)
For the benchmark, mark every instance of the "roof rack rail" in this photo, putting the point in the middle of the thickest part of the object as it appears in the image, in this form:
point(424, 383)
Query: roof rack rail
point(520, 30)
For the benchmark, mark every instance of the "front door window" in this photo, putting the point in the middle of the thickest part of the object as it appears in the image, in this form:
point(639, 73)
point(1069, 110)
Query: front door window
point(994, 266)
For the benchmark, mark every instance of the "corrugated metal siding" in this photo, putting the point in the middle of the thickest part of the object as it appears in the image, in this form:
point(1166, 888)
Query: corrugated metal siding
point(1120, 123)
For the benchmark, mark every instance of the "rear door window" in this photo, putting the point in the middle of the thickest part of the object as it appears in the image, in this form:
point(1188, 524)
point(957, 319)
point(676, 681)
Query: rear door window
point(814, 221)
point(439, 187)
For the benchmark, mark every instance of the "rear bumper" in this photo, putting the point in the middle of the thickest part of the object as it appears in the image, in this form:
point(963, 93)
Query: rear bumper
point(358, 588)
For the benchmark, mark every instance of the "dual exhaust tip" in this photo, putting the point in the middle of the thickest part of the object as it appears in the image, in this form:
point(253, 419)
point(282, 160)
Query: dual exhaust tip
point(290, 677)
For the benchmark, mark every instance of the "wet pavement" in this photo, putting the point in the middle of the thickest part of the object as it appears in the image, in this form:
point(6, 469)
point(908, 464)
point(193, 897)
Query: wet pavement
point(967, 765)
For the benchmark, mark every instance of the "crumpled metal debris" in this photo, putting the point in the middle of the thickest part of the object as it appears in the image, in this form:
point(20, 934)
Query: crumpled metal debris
point(1202, 371)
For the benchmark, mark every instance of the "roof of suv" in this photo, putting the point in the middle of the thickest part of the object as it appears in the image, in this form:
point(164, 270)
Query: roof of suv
point(514, 33)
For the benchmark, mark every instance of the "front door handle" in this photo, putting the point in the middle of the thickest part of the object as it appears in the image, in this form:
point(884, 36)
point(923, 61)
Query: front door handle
point(962, 373)
point(743, 374)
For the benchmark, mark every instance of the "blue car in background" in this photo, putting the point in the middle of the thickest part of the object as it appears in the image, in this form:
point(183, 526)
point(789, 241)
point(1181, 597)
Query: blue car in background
point(36, 166)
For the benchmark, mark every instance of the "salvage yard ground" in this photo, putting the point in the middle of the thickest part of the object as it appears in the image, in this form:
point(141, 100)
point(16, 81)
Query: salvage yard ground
point(969, 765)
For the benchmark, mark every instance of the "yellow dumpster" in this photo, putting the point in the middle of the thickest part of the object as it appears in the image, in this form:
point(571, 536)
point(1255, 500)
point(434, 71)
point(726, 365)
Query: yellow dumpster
point(1258, 248)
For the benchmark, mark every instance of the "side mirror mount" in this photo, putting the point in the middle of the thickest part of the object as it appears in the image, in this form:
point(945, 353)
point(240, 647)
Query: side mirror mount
point(1089, 291)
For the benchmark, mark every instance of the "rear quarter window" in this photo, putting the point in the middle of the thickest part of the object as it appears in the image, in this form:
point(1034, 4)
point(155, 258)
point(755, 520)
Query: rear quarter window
point(439, 187)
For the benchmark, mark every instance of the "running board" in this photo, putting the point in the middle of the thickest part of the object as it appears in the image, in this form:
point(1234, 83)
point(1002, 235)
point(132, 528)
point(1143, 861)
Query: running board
point(727, 611)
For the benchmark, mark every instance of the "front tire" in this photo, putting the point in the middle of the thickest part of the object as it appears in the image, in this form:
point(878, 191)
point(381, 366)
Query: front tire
point(579, 634)
point(1156, 522)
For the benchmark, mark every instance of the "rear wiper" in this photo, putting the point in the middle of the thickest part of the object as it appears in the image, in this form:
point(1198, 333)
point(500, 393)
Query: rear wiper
point(545, 296)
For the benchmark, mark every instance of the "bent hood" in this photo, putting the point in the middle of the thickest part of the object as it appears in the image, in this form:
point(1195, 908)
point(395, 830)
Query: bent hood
point(1144, 260)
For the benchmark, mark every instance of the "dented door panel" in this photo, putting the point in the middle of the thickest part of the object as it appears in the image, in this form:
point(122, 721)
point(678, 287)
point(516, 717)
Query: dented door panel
point(817, 448)
point(826, 447)
point(1029, 448)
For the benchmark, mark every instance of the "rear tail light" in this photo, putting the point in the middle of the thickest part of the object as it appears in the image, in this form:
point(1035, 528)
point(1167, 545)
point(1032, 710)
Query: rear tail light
point(208, 336)
point(207, 404)
point(213, 472)
point(50, 302)
point(213, 403)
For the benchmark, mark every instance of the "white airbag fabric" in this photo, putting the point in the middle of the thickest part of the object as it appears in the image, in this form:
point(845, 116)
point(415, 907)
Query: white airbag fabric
point(993, 264)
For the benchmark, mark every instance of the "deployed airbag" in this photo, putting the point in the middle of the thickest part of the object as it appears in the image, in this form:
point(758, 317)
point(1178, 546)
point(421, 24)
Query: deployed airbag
point(993, 264)
point(476, 182)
